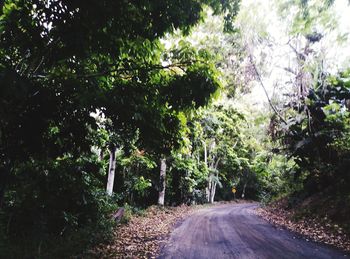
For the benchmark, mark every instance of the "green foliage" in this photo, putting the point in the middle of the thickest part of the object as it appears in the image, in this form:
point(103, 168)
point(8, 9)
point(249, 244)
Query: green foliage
point(307, 16)
point(319, 140)
point(188, 180)
point(81, 79)
point(136, 180)
point(275, 175)
point(55, 203)
point(130, 211)
point(78, 76)
point(219, 130)
point(228, 50)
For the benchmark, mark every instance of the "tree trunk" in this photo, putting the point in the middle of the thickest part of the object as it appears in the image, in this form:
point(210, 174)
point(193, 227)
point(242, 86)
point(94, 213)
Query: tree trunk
point(208, 190)
point(207, 194)
point(111, 171)
point(211, 184)
point(243, 192)
point(211, 188)
point(2, 195)
point(205, 153)
point(162, 182)
point(212, 193)
point(101, 154)
point(4, 175)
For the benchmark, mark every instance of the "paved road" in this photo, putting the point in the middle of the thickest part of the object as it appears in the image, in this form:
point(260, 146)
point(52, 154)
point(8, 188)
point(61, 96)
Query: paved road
point(234, 231)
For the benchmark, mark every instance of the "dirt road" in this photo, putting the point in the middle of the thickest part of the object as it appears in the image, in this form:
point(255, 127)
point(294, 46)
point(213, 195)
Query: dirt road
point(234, 231)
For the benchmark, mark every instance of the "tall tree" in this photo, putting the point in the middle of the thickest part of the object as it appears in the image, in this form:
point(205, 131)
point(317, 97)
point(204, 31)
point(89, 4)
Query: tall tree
point(60, 62)
point(66, 59)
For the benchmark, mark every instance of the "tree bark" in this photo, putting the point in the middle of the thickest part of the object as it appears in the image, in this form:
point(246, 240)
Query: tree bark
point(212, 192)
point(111, 171)
point(207, 194)
point(211, 189)
point(101, 154)
point(208, 190)
point(205, 153)
point(162, 179)
point(243, 192)
point(4, 175)
point(2, 191)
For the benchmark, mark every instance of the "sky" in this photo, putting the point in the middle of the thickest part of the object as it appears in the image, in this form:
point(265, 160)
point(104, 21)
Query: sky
point(267, 35)
point(279, 54)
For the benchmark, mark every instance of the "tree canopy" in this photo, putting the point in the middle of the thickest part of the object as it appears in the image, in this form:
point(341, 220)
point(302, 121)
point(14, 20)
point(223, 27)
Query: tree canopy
point(107, 104)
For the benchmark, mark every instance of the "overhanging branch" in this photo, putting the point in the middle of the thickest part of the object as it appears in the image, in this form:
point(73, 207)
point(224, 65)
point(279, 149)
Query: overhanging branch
point(265, 91)
point(122, 70)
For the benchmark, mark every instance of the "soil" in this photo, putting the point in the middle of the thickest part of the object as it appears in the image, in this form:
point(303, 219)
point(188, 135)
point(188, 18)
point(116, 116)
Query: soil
point(235, 231)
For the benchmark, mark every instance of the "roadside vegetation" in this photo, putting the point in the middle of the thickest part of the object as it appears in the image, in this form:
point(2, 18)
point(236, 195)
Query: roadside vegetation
point(106, 105)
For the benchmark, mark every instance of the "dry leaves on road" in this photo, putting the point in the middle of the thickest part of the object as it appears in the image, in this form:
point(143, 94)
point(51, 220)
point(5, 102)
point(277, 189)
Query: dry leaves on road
point(142, 236)
point(317, 229)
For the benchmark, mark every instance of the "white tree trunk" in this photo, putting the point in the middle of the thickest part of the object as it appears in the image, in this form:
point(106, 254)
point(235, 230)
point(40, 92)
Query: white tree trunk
point(162, 182)
point(243, 192)
point(205, 153)
point(212, 192)
point(111, 171)
point(208, 189)
point(211, 184)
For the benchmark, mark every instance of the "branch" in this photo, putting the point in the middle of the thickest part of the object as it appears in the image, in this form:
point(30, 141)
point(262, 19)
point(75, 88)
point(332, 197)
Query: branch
point(288, 69)
point(300, 55)
point(263, 86)
point(125, 70)
point(217, 163)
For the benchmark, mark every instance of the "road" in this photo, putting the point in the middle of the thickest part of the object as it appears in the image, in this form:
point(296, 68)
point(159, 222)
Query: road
point(234, 231)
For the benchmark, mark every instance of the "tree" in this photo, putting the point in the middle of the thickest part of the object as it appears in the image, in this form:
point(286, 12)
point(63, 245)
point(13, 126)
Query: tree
point(88, 71)
point(315, 138)
point(60, 62)
point(162, 181)
point(217, 144)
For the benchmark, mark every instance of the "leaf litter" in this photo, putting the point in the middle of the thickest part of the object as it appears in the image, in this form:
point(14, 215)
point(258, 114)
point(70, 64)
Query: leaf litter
point(312, 227)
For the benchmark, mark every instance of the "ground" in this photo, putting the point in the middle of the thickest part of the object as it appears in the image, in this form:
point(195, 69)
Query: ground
point(143, 235)
point(312, 218)
point(235, 231)
point(222, 230)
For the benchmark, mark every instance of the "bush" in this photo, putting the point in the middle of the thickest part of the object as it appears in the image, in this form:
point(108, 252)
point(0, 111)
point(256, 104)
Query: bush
point(54, 209)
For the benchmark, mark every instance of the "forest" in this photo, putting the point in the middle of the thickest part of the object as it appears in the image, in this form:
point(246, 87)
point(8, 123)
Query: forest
point(108, 104)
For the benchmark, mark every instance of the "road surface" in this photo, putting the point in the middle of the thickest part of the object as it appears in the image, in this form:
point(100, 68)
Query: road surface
point(234, 231)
